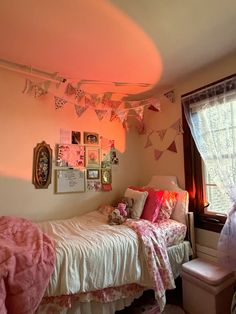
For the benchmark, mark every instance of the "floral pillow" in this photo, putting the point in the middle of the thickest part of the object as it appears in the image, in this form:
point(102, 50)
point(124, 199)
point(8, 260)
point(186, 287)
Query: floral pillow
point(169, 200)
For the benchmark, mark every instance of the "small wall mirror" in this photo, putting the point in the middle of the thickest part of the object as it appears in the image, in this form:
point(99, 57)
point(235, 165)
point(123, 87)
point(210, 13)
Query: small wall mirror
point(42, 166)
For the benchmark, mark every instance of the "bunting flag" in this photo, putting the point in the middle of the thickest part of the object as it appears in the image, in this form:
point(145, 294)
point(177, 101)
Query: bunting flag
point(157, 154)
point(148, 143)
point(113, 116)
point(162, 133)
point(177, 126)
point(100, 113)
point(36, 89)
point(141, 128)
point(79, 94)
point(172, 147)
point(70, 90)
point(139, 112)
point(59, 102)
point(154, 105)
point(170, 95)
point(106, 98)
point(80, 110)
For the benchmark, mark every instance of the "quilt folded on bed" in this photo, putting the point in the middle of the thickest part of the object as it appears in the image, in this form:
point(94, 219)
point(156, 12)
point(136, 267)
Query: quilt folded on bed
point(26, 263)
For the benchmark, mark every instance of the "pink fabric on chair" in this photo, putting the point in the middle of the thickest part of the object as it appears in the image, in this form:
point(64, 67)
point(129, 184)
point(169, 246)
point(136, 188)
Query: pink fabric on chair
point(26, 263)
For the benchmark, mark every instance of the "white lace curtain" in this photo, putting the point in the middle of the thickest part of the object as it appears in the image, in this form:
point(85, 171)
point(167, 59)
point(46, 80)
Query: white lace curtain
point(211, 115)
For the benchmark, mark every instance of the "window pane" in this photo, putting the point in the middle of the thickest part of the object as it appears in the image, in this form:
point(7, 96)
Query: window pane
point(219, 202)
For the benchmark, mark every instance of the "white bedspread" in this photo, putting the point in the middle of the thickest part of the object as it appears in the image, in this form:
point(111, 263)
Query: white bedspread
point(99, 249)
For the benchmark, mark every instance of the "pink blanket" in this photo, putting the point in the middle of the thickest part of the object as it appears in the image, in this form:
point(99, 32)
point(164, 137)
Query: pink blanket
point(26, 263)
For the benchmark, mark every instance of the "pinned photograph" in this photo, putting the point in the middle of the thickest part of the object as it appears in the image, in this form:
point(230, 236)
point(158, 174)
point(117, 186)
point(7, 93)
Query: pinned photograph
point(92, 157)
point(94, 186)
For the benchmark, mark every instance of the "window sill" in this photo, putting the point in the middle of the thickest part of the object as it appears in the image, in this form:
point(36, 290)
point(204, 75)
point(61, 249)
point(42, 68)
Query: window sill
point(210, 222)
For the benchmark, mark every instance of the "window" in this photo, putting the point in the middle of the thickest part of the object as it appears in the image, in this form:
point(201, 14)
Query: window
point(209, 202)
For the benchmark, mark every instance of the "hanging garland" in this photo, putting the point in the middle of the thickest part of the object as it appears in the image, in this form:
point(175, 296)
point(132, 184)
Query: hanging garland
point(102, 103)
point(177, 126)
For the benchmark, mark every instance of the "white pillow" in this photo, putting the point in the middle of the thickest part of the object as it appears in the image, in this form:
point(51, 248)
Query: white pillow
point(139, 202)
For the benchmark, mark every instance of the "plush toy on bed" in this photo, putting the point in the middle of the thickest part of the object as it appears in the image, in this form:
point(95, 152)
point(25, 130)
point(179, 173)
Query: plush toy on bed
point(121, 211)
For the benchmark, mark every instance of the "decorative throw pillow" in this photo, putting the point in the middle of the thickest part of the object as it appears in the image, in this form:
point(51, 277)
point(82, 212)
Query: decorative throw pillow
point(139, 202)
point(169, 200)
point(152, 204)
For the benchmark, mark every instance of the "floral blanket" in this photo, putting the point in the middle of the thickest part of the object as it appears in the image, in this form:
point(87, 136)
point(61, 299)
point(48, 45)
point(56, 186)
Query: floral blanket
point(26, 263)
point(153, 245)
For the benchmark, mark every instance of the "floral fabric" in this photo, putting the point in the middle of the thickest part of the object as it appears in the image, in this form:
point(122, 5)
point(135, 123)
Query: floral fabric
point(169, 200)
point(173, 231)
point(153, 245)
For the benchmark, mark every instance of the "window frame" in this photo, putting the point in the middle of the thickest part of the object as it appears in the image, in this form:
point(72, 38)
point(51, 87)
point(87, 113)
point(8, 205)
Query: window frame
point(194, 181)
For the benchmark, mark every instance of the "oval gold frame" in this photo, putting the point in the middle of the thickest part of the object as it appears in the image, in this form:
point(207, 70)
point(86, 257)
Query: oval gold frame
point(42, 166)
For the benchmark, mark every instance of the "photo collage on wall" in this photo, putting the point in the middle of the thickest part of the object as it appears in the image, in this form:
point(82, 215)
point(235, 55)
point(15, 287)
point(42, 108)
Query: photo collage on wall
point(92, 155)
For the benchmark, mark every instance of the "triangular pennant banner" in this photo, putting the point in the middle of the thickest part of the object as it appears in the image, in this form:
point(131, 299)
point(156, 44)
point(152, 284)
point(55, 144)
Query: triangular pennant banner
point(113, 115)
point(36, 88)
point(106, 97)
point(172, 147)
point(176, 125)
point(170, 95)
point(59, 102)
point(162, 133)
point(115, 104)
point(79, 94)
point(154, 105)
point(87, 101)
point(139, 112)
point(141, 128)
point(157, 153)
point(122, 115)
point(80, 110)
point(100, 113)
point(70, 90)
point(95, 100)
point(148, 143)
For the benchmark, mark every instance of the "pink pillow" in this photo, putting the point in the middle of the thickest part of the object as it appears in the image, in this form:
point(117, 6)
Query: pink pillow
point(169, 201)
point(152, 204)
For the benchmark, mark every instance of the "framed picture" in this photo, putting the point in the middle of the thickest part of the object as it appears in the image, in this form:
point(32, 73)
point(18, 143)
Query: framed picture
point(93, 186)
point(70, 155)
point(75, 137)
point(93, 174)
point(91, 138)
point(106, 176)
point(42, 166)
point(69, 181)
point(92, 157)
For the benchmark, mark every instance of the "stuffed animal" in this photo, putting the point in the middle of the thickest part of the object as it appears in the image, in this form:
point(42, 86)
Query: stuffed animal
point(121, 211)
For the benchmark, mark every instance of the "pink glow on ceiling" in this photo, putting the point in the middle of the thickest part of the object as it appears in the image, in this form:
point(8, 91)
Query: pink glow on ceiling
point(79, 39)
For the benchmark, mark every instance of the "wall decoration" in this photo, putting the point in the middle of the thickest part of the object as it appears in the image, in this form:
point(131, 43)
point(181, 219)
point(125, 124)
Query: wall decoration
point(114, 158)
point(177, 126)
point(106, 187)
point(70, 155)
point(93, 174)
point(93, 186)
point(92, 156)
point(42, 166)
point(75, 137)
point(69, 181)
point(91, 138)
point(170, 95)
point(106, 176)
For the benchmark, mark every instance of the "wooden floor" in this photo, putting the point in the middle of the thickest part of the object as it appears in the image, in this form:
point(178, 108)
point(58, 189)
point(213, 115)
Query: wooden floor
point(172, 297)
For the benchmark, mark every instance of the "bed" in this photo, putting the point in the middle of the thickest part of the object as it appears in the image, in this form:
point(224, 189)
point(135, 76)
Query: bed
point(102, 268)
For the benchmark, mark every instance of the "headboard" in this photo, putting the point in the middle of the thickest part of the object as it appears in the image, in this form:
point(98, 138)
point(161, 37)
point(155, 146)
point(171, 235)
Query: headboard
point(180, 212)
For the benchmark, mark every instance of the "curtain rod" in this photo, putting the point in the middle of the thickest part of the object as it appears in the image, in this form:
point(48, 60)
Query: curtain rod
point(219, 82)
point(24, 69)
